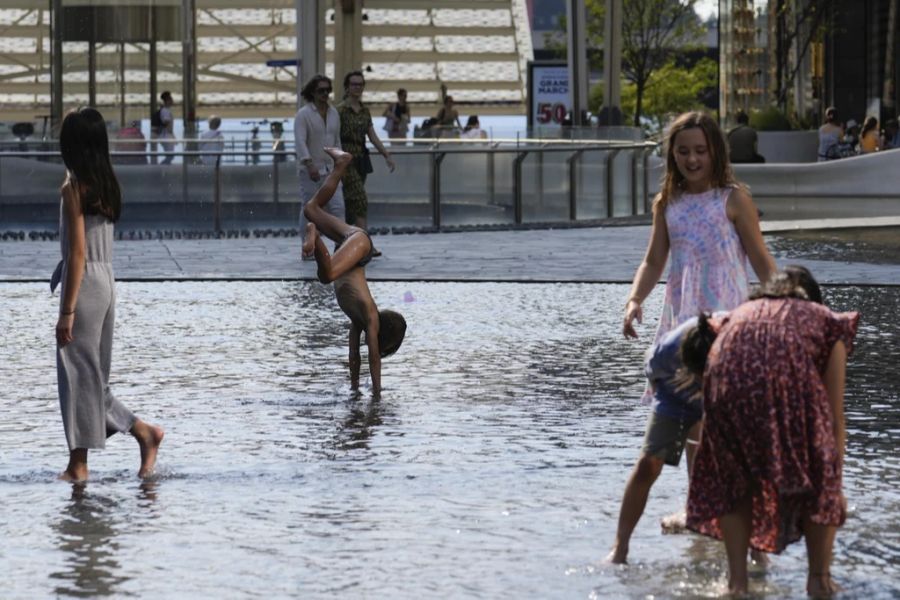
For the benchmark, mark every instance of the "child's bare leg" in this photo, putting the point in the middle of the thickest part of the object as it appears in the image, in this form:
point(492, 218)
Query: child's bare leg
point(329, 225)
point(819, 546)
point(637, 490)
point(332, 266)
point(677, 521)
point(149, 437)
point(77, 469)
point(736, 534)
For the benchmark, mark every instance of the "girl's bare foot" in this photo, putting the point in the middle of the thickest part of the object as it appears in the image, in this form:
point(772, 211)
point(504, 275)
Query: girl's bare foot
point(309, 242)
point(674, 523)
point(74, 475)
point(77, 469)
point(341, 158)
point(618, 555)
point(149, 437)
point(737, 590)
point(821, 585)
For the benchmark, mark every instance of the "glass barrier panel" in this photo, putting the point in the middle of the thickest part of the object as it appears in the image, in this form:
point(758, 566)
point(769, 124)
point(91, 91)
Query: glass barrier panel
point(591, 178)
point(466, 198)
point(29, 192)
point(401, 198)
point(622, 183)
point(545, 187)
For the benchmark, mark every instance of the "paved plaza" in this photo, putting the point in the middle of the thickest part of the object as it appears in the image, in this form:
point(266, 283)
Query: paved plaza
point(593, 255)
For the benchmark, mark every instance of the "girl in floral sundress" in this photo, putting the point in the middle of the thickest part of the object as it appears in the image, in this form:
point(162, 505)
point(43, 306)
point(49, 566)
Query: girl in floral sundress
point(707, 222)
point(769, 467)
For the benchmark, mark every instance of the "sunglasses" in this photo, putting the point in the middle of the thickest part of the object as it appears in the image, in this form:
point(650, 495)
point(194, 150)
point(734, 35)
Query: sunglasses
point(323, 90)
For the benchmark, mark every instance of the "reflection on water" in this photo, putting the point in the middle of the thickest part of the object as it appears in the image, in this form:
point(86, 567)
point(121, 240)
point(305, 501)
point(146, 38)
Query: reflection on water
point(86, 535)
point(492, 466)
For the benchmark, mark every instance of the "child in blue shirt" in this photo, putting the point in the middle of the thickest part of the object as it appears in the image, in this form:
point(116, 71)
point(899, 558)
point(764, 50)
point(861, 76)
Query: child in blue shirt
point(674, 423)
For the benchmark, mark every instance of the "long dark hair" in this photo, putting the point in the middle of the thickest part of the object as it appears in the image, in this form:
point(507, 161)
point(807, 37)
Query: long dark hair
point(309, 90)
point(84, 145)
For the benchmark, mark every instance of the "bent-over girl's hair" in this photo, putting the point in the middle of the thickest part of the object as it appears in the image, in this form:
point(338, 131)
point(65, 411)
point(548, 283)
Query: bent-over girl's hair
point(84, 145)
point(794, 281)
point(391, 331)
point(309, 90)
point(696, 344)
point(722, 175)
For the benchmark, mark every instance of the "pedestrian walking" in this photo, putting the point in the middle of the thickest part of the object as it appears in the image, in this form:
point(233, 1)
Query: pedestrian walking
point(356, 126)
point(90, 205)
point(317, 126)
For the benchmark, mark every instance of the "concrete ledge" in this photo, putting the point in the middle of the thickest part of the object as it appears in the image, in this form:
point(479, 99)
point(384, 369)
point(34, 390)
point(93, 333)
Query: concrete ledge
point(816, 224)
point(861, 186)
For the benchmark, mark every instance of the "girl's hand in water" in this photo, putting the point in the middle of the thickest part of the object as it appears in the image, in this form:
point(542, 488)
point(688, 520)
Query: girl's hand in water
point(64, 329)
point(632, 312)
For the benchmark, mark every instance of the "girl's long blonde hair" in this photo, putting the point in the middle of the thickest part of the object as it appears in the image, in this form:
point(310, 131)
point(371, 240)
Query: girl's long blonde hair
point(673, 180)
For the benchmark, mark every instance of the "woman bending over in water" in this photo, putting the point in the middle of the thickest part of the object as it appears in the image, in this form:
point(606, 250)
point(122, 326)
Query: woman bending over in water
point(346, 268)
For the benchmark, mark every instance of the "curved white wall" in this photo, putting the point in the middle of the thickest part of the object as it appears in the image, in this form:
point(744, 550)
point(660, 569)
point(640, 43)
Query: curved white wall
point(861, 186)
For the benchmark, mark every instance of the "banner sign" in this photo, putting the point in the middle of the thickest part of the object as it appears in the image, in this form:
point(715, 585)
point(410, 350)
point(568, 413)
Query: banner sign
point(548, 94)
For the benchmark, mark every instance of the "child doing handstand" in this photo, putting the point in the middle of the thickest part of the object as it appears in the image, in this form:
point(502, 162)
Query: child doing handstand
point(346, 268)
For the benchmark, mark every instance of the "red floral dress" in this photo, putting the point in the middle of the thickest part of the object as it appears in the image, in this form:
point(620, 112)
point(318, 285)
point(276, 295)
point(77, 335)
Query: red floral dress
point(767, 428)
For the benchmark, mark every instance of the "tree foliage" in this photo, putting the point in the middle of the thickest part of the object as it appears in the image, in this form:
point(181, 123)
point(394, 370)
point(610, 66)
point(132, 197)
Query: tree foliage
point(652, 31)
point(671, 90)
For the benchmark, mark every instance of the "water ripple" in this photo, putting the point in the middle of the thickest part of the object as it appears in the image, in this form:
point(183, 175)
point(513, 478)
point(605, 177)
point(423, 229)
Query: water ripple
point(492, 466)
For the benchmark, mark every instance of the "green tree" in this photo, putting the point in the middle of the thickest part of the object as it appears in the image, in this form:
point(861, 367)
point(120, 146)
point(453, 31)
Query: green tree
point(652, 30)
point(671, 90)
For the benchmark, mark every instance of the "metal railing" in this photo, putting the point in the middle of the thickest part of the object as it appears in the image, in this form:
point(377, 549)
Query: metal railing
point(511, 182)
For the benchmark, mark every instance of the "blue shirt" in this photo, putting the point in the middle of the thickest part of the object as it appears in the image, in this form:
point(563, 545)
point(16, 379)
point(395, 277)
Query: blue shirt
point(662, 365)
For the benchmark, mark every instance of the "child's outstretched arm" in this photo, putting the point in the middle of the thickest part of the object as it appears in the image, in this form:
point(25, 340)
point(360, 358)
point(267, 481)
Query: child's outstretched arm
point(835, 377)
point(355, 360)
point(742, 212)
point(648, 273)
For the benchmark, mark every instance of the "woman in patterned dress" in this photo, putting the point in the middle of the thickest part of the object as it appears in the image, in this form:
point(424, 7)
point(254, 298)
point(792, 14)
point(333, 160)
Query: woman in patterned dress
point(769, 466)
point(707, 223)
point(356, 124)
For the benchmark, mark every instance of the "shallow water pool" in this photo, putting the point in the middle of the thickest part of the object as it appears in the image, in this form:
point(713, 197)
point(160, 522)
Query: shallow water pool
point(492, 466)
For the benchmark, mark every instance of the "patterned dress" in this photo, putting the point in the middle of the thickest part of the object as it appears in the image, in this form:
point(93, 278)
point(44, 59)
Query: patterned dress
point(767, 428)
point(354, 127)
point(708, 270)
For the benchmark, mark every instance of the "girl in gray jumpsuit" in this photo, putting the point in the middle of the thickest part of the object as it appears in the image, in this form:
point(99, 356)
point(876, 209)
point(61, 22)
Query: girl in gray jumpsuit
point(91, 203)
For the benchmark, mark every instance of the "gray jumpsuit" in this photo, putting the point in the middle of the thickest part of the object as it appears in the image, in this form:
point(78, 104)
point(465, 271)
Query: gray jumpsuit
point(90, 413)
